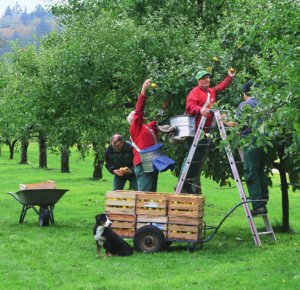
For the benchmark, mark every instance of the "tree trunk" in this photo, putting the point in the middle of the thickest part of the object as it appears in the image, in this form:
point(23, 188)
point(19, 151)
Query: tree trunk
point(284, 191)
point(42, 151)
point(98, 164)
point(200, 7)
point(24, 150)
point(64, 164)
point(11, 146)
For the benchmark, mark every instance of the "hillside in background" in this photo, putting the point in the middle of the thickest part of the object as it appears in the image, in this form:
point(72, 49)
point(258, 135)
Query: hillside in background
point(17, 24)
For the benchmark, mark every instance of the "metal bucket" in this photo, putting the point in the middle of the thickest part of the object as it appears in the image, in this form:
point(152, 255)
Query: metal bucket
point(185, 125)
point(148, 154)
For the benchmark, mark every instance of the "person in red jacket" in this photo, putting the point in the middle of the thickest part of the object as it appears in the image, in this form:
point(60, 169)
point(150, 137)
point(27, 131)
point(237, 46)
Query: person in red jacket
point(198, 103)
point(142, 136)
point(200, 98)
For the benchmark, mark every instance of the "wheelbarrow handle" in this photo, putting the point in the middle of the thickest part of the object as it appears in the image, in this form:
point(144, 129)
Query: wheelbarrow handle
point(14, 196)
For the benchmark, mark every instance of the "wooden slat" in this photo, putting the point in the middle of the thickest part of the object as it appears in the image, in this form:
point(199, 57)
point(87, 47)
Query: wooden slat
point(151, 204)
point(124, 232)
point(185, 221)
point(183, 228)
point(122, 217)
point(123, 225)
point(187, 198)
point(119, 210)
point(151, 197)
point(186, 206)
point(182, 213)
point(120, 202)
point(40, 185)
point(151, 211)
point(154, 219)
point(121, 195)
point(183, 236)
point(162, 227)
point(127, 191)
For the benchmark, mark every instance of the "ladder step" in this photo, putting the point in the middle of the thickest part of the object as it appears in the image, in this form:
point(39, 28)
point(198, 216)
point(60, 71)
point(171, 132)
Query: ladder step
point(203, 145)
point(197, 162)
point(260, 215)
point(266, 233)
point(192, 179)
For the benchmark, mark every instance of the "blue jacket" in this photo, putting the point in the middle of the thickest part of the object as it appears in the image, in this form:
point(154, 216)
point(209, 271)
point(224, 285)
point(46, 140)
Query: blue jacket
point(252, 102)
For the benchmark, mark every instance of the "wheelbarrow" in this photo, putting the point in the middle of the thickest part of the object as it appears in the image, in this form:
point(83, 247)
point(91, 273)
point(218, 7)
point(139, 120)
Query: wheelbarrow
point(44, 198)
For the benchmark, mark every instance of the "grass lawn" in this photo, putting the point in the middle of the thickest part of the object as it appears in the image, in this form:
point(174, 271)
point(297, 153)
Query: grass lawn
point(63, 255)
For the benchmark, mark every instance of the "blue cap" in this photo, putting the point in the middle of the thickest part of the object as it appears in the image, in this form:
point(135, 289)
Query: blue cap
point(247, 86)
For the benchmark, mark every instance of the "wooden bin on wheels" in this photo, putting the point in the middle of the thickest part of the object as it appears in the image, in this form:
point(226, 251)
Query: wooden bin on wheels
point(155, 220)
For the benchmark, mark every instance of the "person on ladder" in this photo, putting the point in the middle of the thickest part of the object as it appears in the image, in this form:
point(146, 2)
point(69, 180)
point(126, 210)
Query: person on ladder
point(254, 158)
point(198, 103)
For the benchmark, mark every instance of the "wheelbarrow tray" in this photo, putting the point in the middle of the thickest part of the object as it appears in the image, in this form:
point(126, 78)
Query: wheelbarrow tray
point(41, 197)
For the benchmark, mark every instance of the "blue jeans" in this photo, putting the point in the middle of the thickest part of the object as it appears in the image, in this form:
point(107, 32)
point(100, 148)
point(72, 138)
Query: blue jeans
point(147, 181)
point(119, 182)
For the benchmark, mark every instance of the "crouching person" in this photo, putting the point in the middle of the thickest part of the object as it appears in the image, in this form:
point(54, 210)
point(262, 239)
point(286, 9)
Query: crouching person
point(119, 162)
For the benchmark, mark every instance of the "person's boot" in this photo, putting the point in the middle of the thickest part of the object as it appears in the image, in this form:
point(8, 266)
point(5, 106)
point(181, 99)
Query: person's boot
point(259, 211)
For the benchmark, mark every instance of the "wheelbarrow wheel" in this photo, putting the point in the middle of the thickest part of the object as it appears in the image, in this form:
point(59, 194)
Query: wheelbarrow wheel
point(44, 216)
point(149, 239)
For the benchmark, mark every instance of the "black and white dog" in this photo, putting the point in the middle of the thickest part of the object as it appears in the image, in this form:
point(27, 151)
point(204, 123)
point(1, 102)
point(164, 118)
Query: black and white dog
point(105, 237)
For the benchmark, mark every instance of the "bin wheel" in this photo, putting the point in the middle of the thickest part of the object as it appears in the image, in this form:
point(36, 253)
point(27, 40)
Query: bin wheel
point(149, 239)
point(44, 216)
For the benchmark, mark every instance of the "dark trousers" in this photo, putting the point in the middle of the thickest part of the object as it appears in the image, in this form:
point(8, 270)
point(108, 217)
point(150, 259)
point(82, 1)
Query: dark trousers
point(195, 169)
point(119, 182)
point(147, 181)
point(255, 174)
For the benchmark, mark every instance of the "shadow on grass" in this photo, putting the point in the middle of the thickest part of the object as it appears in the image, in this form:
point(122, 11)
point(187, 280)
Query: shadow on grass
point(277, 227)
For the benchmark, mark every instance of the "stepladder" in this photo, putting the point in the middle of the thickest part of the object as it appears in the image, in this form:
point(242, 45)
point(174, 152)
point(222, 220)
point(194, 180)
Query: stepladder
point(189, 179)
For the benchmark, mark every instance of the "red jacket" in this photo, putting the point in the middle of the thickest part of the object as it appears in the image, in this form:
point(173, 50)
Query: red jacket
point(139, 133)
point(198, 96)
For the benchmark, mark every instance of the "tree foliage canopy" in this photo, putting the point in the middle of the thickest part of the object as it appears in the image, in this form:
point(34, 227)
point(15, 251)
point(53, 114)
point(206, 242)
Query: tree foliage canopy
point(84, 79)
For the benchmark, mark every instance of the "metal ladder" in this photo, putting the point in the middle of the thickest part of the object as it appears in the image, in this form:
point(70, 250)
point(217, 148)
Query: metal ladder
point(189, 161)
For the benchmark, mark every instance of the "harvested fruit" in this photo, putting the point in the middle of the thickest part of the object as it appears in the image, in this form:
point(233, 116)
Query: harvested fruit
point(231, 70)
point(124, 169)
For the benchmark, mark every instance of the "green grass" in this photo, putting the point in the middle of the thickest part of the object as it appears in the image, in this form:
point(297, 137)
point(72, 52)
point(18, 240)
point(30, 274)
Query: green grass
point(63, 255)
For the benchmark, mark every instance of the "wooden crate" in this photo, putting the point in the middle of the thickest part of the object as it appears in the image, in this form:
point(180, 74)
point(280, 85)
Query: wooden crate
point(49, 184)
point(151, 204)
point(120, 202)
point(123, 225)
point(184, 232)
point(186, 205)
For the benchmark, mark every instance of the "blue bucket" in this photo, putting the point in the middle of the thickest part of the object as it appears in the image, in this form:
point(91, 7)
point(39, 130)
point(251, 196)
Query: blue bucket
point(148, 154)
